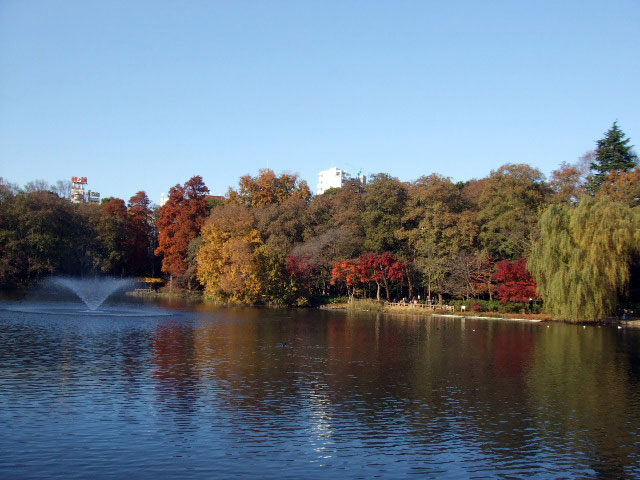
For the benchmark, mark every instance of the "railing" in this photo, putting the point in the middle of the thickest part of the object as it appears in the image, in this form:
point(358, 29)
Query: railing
point(425, 306)
point(144, 290)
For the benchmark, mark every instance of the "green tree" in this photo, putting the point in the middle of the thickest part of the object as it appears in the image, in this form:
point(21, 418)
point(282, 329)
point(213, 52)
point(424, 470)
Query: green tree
point(113, 237)
point(437, 226)
point(613, 153)
point(581, 259)
point(140, 230)
point(384, 203)
point(508, 215)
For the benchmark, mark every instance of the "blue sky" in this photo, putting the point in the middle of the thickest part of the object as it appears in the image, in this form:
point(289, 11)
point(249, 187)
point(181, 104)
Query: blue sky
point(143, 95)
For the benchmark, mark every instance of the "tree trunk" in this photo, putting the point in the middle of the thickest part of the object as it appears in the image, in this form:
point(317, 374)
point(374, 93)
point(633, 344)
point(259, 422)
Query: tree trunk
point(378, 292)
point(386, 288)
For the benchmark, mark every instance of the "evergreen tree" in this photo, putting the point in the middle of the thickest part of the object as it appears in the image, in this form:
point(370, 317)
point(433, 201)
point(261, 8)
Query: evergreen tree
point(612, 154)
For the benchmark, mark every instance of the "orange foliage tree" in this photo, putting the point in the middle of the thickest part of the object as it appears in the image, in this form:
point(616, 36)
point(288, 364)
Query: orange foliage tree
point(180, 221)
point(269, 189)
point(347, 272)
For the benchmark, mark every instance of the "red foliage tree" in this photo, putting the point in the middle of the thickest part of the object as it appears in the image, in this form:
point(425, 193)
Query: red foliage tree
point(379, 268)
point(180, 221)
point(514, 282)
point(301, 271)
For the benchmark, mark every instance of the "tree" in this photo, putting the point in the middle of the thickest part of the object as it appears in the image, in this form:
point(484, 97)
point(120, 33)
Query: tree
point(180, 221)
point(469, 275)
point(623, 187)
point(302, 272)
point(508, 216)
point(347, 272)
point(384, 202)
point(112, 235)
point(268, 189)
point(379, 268)
point(38, 233)
point(568, 183)
point(613, 153)
point(227, 265)
point(514, 282)
point(140, 230)
point(581, 259)
point(437, 226)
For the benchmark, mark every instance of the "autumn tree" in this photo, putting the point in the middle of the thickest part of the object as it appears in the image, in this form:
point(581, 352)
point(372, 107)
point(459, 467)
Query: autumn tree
point(179, 222)
point(622, 186)
point(302, 272)
point(268, 189)
point(380, 269)
point(581, 260)
point(470, 275)
point(514, 282)
point(613, 153)
point(568, 183)
point(346, 272)
point(227, 264)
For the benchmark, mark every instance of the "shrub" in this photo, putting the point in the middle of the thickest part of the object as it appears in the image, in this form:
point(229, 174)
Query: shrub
point(476, 307)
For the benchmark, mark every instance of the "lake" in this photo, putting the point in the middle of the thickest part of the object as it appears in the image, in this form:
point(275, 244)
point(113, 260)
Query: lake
point(205, 392)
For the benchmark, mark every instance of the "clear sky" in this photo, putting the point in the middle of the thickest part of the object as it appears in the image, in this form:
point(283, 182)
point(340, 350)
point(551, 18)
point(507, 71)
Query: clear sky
point(141, 95)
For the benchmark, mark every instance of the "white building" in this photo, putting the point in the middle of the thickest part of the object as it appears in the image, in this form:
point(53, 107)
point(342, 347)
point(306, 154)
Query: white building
point(332, 178)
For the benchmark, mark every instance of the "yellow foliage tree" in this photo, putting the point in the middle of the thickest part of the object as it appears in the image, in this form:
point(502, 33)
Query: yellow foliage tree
point(226, 260)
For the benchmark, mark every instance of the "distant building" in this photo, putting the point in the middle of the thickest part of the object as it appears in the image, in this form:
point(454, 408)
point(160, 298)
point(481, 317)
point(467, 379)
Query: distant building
point(334, 178)
point(78, 193)
point(77, 189)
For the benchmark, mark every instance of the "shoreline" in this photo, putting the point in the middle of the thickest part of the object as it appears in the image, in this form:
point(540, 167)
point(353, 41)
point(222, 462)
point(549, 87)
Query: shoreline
point(394, 310)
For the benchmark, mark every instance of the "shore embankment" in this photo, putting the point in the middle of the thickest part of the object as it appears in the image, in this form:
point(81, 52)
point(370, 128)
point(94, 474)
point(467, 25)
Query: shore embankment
point(439, 311)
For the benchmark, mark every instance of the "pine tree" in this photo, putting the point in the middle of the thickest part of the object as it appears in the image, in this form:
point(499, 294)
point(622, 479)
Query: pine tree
point(612, 154)
point(581, 259)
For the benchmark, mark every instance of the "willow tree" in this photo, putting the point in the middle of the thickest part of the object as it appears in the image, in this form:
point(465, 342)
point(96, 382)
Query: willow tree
point(581, 259)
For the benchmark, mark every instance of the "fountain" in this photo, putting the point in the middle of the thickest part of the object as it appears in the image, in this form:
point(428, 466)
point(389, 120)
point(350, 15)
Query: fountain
point(48, 299)
point(93, 291)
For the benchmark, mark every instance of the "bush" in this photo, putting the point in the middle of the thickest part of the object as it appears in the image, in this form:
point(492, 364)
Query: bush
point(476, 307)
point(495, 306)
point(302, 302)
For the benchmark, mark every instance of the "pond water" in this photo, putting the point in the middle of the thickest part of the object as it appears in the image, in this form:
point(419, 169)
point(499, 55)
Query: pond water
point(202, 392)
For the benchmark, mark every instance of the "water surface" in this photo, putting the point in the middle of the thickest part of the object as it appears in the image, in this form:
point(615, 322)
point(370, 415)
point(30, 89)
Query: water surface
point(255, 393)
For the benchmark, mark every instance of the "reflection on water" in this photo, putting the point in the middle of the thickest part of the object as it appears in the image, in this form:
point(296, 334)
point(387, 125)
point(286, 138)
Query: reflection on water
point(281, 394)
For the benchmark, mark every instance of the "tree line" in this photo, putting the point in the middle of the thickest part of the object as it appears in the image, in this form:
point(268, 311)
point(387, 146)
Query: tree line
point(512, 236)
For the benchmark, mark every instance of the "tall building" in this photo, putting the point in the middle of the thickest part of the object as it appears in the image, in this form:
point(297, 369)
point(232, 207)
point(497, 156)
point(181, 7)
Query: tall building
point(332, 178)
point(77, 189)
point(335, 178)
point(78, 193)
